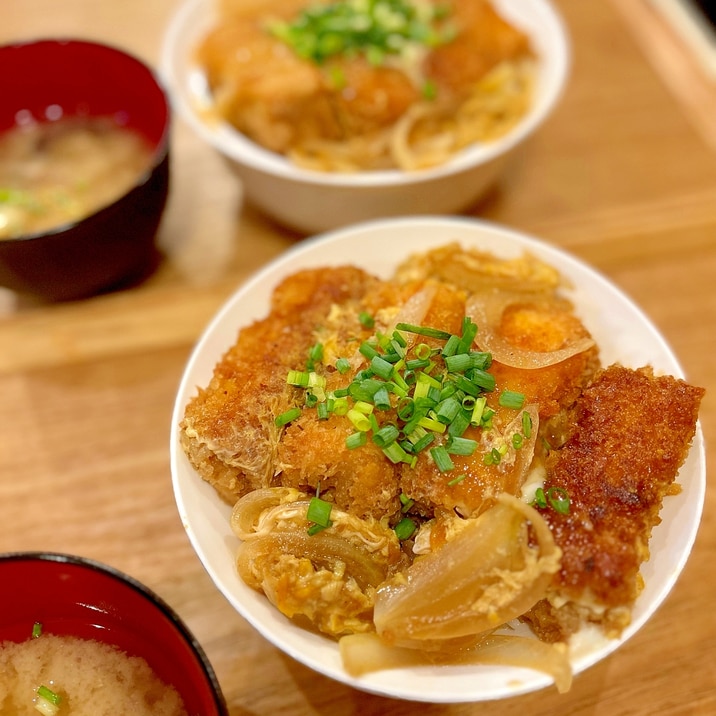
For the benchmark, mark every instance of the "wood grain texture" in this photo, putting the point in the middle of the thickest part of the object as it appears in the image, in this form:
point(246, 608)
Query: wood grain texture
point(622, 175)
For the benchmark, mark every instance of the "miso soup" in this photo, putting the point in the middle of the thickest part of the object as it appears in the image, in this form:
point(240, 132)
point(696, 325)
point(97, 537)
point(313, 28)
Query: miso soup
point(84, 676)
point(54, 173)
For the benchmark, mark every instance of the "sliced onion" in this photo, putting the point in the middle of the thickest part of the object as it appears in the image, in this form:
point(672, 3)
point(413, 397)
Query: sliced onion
point(414, 309)
point(364, 653)
point(485, 576)
point(323, 549)
point(248, 510)
point(486, 310)
point(526, 652)
point(518, 462)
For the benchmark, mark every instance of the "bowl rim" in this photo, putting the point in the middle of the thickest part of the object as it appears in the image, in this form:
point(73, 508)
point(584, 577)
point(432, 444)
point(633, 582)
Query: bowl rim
point(244, 151)
point(115, 574)
point(160, 153)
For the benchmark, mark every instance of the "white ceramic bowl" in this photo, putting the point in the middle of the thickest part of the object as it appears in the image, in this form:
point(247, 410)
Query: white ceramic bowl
point(623, 333)
point(312, 201)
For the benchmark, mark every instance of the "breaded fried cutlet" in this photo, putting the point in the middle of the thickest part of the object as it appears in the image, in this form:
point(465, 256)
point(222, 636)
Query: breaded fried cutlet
point(535, 325)
point(228, 430)
point(629, 435)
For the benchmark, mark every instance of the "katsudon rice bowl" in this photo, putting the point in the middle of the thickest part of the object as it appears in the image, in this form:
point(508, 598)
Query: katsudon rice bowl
point(321, 141)
point(330, 537)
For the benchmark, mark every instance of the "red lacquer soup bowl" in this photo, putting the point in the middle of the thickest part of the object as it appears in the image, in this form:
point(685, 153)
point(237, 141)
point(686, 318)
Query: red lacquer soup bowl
point(48, 81)
point(75, 596)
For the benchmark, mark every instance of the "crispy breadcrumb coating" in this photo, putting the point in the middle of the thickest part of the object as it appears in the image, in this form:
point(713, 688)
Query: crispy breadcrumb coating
point(228, 429)
point(628, 437)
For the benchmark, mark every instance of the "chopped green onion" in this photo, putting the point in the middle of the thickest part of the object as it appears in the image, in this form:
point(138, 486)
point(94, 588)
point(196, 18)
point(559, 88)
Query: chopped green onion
point(44, 693)
point(448, 390)
point(494, 457)
point(461, 446)
point(451, 346)
point(395, 453)
point(386, 435)
point(359, 419)
point(511, 399)
point(477, 411)
point(405, 409)
point(319, 512)
point(36, 630)
point(381, 399)
point(423, 351)
point(447, 410)
point(459, 425)
point(337, 77)
point(287, 417)
point(431, 424)
point(375, 29)
point(442, 458)
point(405, 528)
point(437, 392)
point(363, 406)
point(457, 480)
point(299, 378)
point(417, 363)
point(486, 421)
point(343, 365)
point(559, 499)
point(315, 353)
point(366, 320)
point(484, 379)
point(526, 425)
point(424, 331)
point(368, 350)
point(469, 331)
point(381, 367)
point(429, 90)
point(458, 363)
point(47, 702)
point(405, 502)
point(399, 384)
point(467, 386)
point(481, 360)
point(556, 497)
point(540, 500)
point(423, 442)
point(340, 406)
point(356, 440)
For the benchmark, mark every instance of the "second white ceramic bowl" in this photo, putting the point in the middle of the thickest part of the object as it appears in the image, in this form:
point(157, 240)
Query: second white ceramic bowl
point(312, 201)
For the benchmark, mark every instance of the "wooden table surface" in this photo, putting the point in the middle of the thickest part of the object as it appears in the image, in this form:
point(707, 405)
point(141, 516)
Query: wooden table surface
point(623, 175)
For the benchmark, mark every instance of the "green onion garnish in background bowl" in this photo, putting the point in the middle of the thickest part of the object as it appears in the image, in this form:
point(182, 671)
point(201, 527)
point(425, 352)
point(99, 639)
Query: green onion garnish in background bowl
point(374, 29)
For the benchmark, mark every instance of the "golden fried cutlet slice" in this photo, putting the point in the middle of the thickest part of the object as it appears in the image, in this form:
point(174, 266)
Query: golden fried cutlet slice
point(535, 324)
point(630, 434)
point(363, 482)
point(485, 40)
point(545, 326)
point(228, 430)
